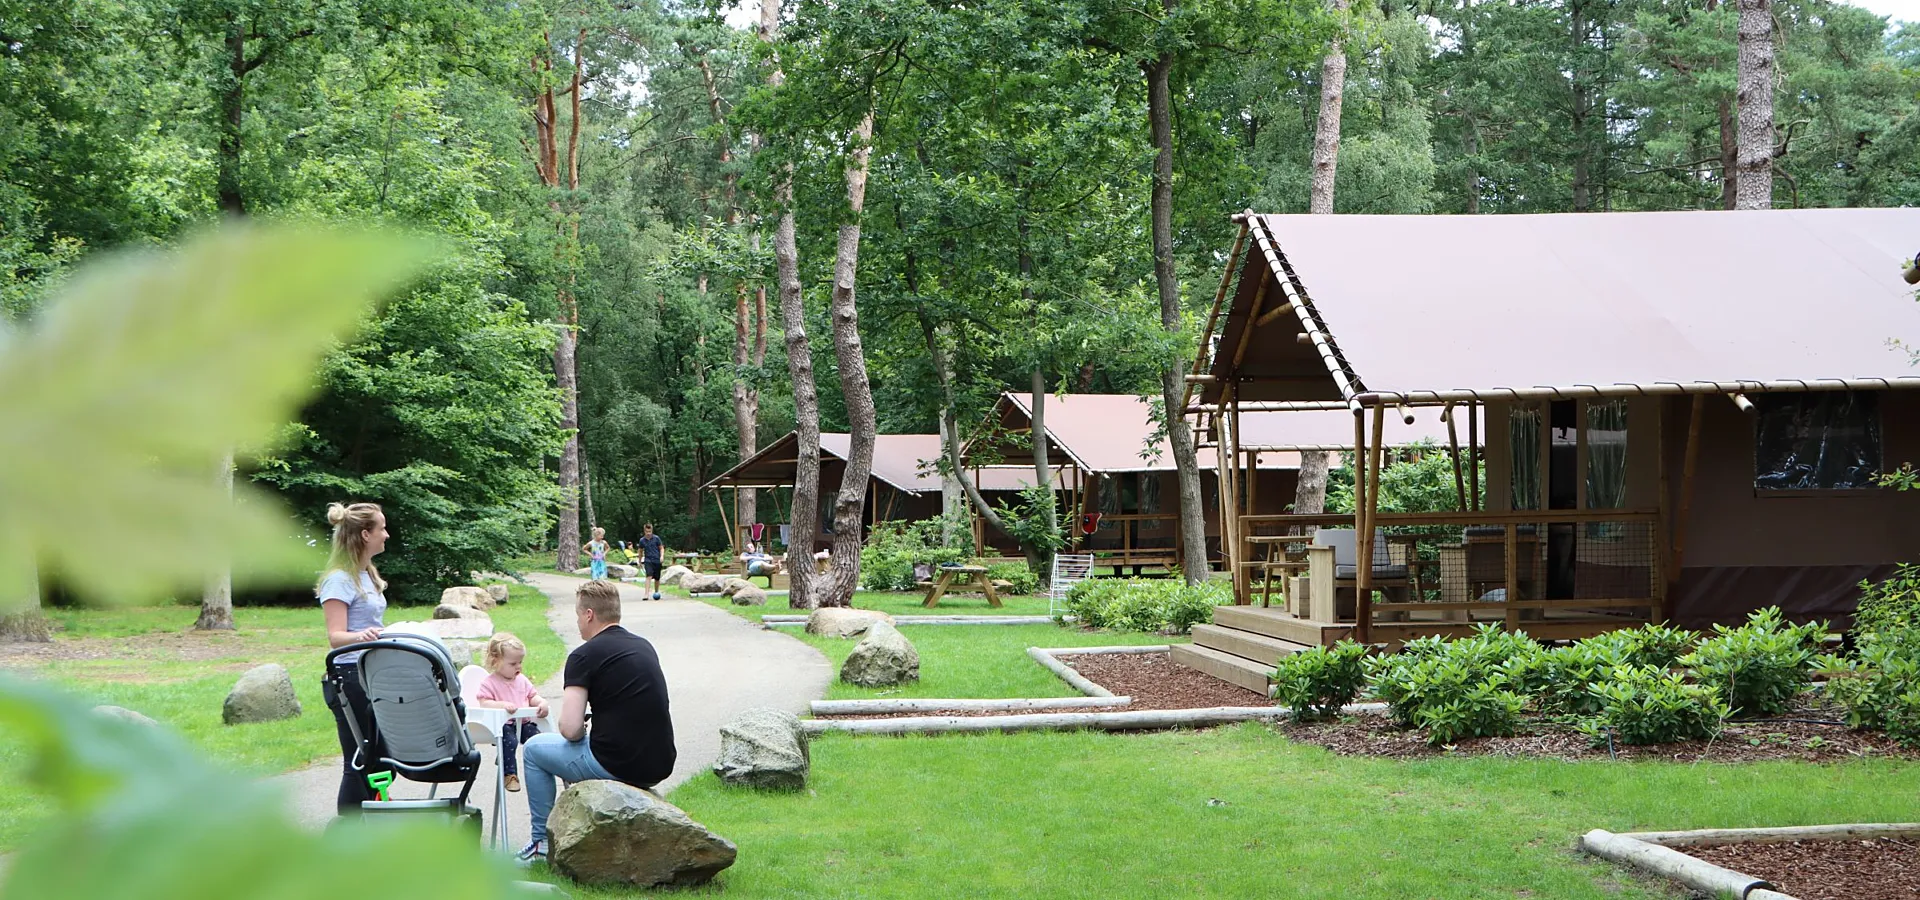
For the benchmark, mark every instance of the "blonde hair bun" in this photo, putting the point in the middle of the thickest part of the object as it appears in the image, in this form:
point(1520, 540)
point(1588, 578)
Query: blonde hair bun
point(336, 513)
point(501, 644)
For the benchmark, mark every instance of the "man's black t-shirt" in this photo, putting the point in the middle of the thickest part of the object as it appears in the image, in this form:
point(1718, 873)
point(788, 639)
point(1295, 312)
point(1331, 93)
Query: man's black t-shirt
point(632, 733)
point(650, 546)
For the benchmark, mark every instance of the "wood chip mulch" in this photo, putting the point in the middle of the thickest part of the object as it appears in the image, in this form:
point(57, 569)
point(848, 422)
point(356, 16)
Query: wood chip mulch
point(1373, 734)
point(1153, 680)
point(1883, 868)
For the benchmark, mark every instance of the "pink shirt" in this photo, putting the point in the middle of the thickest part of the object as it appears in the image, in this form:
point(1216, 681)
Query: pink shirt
point(518, 692)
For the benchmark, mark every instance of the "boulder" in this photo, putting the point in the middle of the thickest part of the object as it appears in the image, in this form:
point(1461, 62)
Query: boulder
point(840, 621)
point(605, 832)
point(499, 594)
point(583, 571)
point(763, 748)
point(744, 594)
point(673, 574)
point(263, 694)
point(696, 583)
point(473, 597)
point(457, 611)
point(477, 628)
point(884, 657)
point(121, 712)
point(622, 570)
point(465, 652)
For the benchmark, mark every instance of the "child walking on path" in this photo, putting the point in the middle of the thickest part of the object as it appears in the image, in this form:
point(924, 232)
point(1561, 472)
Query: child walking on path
point(507, 688)
point(597, 554)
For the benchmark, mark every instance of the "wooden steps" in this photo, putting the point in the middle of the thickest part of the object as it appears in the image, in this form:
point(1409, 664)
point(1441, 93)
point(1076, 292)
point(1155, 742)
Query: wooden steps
point(1259, 648)
point(1278, 623)
point(1224, 666)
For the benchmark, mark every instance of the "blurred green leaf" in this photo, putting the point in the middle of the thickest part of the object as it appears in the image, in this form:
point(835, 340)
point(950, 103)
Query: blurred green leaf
point(140, 373)
point(147, 819)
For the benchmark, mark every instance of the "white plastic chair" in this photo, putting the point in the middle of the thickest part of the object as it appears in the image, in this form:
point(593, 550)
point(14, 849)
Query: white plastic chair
point(484, 727)
point(1069, 569)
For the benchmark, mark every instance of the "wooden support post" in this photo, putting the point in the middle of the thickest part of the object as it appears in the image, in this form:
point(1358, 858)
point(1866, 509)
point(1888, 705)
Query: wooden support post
point(1473, 453)
point(1686, 500)
point(1453, 444)
point(1246, 332)
point(1512, 614)
point(733, 539)
point(1363, 582)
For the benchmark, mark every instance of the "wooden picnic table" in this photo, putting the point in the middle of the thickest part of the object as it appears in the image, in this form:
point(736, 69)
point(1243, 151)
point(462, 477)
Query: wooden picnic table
point(960, 579)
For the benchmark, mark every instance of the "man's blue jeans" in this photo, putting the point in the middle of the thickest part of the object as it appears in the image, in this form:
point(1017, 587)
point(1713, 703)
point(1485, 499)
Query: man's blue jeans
point(549, 756)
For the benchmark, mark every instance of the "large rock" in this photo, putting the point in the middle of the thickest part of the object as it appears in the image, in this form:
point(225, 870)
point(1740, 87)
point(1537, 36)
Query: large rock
point(476, 629)
point(499, 594)
point(605, 832)
point(884, 657)
point(763, 748)
point(466, 652)
point(121, 712)
point(457, 611)
point(475, 597)
point(696, 583)
point(264, 694)
point(673, 574)
point(744, 593)
point(622, 570)
point(840, 621)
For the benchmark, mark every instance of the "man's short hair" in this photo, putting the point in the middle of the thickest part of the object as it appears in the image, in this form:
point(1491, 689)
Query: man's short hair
point(601, 596)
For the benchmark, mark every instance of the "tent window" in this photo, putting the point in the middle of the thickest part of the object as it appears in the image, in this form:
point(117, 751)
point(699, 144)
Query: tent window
point(1828, 440)
point(1523, 440)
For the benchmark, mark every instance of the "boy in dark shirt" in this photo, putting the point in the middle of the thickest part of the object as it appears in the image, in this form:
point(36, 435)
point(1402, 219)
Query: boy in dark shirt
point(618, 673)
point(650, 548)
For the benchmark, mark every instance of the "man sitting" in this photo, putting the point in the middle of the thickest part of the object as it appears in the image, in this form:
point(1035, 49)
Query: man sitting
point(758, 563)
point(618, 673)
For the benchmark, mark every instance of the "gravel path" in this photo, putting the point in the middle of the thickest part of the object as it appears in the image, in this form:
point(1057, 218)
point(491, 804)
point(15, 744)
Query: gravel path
point(716, 665)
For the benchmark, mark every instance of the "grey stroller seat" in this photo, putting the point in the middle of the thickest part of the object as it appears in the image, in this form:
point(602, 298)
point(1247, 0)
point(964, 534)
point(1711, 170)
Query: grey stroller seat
point(419, 718)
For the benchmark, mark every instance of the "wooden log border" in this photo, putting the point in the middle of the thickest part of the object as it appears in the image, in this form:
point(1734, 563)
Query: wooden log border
point(1137, 720)
point(1651, 851)
point(783, 621)
point(872, 707)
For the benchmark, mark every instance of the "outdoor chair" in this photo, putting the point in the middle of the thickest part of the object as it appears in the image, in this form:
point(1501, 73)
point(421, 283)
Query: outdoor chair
point(1333, 571)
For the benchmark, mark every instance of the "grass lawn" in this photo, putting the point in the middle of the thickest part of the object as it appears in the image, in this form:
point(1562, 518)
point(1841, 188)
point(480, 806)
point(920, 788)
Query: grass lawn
point(1109, 815)
point(898, 604)
point(144, 659)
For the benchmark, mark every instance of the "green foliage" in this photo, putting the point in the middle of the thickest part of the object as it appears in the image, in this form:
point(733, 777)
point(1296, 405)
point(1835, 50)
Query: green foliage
point(1639, 704)
point(1019, 575)
point(894, 548)
point(1161, 605)
point(136, 376)
point(1881, 688)
point(1031, 520)
point(1315, 683)
point(1568, 676)
point(1456, 689)
point(1758, 668)
point(1890, 604)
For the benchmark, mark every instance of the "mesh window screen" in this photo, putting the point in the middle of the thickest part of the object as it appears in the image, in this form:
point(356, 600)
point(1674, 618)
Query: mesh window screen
point(1523, 431)
point(1828, 440)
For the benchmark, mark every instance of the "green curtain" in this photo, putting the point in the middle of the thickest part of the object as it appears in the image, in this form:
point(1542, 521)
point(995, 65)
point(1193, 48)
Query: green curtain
point(1523, 435)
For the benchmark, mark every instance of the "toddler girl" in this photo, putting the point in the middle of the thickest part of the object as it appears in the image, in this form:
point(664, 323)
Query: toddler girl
point(507, 688)
point(597, 553)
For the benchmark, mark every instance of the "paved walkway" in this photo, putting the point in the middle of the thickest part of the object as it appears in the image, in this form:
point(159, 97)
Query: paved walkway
point(716, 665)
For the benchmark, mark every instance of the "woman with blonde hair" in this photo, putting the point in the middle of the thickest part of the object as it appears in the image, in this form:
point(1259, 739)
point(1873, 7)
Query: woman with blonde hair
point(352, 600)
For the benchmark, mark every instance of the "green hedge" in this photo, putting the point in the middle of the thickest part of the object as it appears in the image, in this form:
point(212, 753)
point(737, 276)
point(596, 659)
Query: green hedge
point(1165, 605)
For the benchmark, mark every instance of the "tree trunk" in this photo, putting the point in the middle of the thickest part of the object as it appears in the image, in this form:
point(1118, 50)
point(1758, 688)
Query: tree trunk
point(849, 508)
point(949, 422)
point(1310, 492)
point(28, 624)
point(546, 163)
point(232, 111)
point(216, 604)
point(1040, 558)
point(746, 397)
point(1729, 157)
point(806, 402)
point(1753, 185)
point(586, 492)
point(693, 498)
point(1193, 523)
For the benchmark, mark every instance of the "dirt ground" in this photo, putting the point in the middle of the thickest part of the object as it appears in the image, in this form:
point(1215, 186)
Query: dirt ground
point(1884, 869)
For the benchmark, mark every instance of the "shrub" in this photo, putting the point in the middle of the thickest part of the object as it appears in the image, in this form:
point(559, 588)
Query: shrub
point(1889, 605)
point(1659, 646)
point(1162, 605)
point(1882, 689)
point(1650, 705)
point(1016, 574)
point(1569, 675)
point(894, 548)
point(1456, 689)
point(1758, 668)
point(1315, 683)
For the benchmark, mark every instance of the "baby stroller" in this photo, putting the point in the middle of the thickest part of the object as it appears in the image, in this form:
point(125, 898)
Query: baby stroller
point(419, 721)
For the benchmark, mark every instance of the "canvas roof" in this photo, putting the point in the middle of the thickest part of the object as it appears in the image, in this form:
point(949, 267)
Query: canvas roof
point(904, 461)
point(1110, 433)
point(1332, 429)
point(1438, 308)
